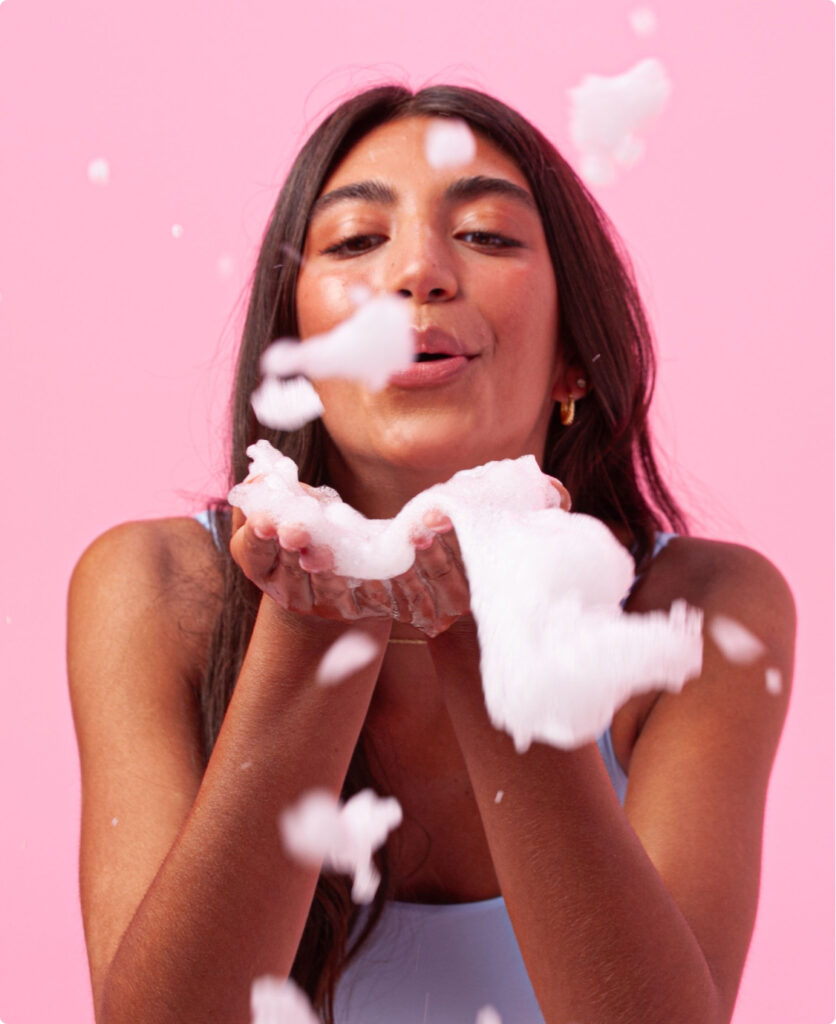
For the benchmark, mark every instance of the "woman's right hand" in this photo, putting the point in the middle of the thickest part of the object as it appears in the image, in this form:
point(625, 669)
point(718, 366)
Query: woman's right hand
point(299, 576)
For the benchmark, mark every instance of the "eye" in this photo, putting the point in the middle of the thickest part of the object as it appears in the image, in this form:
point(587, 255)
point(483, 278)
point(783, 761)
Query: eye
point(354, 245)
point(489, 240)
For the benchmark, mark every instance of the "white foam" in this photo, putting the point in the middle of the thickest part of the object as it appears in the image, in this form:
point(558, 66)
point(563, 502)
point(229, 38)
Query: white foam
point(608, 112)
point(318, 830)
point(286, 404)
point(488, 1015)
point(353, 651)
point(371, 345)
point(774, 681)
point(499, 795)
point(564, 632)
point(176, 230)
point(279, 1001)
point(735, 641)
point(643, 21)
point(449, 142)
point(98, 171)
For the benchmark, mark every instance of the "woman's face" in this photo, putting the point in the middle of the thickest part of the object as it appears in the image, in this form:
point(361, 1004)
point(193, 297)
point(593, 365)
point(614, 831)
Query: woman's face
point(465, 247)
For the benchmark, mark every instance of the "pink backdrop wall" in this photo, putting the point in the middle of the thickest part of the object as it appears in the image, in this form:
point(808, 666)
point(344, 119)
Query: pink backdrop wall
point(116, 339)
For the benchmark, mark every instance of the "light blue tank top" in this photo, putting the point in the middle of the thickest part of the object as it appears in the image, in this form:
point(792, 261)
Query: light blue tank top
point(441, 963)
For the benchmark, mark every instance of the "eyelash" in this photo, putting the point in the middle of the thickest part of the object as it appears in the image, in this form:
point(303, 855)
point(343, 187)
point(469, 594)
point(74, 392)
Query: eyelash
point(489, 238)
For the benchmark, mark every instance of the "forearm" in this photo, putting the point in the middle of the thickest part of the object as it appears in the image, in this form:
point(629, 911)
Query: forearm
point(601, 936)
point(228, 904)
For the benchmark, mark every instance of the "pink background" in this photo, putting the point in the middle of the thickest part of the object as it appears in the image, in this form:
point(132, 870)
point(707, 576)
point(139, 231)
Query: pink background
point(116, 339)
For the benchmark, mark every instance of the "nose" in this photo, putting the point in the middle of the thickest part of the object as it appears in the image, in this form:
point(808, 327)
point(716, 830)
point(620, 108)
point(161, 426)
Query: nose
point(422, 268)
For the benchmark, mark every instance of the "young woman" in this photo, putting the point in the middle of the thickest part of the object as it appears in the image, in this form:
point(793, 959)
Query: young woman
point(566, 899)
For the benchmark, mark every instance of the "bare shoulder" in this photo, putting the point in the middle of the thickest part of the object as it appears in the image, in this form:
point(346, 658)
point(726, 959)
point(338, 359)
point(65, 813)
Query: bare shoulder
point(725, 580)
point(721, 578)
point(159, 577)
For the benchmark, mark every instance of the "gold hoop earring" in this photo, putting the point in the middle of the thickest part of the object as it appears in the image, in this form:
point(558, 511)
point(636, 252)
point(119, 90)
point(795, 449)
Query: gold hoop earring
point(567, 411)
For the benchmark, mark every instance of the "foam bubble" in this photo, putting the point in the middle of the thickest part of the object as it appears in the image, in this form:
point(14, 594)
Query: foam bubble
point(98, 171)
point(488, 1015)
point(608, 112)
point(449, 142)
point(176, 230)
point(225, 266)
point(774, 681)
point(734, 640)
point(371, 345)
point(286, 404)
point(499, 795)
point(317, 829)
point(643, 21)
point(353, 651)
point(564, 632)
point(279, 1001)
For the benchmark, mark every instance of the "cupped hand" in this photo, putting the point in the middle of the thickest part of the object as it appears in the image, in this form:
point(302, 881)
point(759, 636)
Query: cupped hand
point(299, 575)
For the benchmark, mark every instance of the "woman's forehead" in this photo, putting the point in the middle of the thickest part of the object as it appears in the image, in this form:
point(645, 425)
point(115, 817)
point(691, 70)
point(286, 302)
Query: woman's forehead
point(396, 151)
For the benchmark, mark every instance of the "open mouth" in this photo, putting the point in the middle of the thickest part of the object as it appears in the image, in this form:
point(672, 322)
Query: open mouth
point(430, 357)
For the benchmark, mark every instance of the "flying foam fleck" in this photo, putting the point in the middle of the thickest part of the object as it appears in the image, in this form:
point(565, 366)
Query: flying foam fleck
point(735, 641)
point(353, 651)
point(643, 21)
point(488, 1015)
point(371, 345)
point(774, 681)
point(98, 171)
point(318, 830)
point(564, 632)
point(279, 1001)
point(225, 266)
point(449, 142)
point(286, 404)
point(608, 112)
point(176, 230)
point(499, 795)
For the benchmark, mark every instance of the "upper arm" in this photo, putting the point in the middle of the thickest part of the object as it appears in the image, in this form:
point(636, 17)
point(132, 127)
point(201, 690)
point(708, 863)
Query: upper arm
point(700, 766)
point(138, 625)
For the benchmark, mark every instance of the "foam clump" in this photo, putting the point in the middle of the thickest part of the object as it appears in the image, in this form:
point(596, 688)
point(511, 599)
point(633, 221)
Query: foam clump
point(735, 641)
point(488, 1015)
point(545, 586)
point(369, 346)
point(317, 829)
point(608, 112)
point(449, 142)
point(286, 404)
point(279, 1001)
point(353, 651)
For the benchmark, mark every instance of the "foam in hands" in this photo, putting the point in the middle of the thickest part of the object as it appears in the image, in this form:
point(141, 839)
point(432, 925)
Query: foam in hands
point(561, 628)
point(608, 113)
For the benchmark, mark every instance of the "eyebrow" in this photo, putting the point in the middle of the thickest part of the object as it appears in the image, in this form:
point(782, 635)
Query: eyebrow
point(463, 190)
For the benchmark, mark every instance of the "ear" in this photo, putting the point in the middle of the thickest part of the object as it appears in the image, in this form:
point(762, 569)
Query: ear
point(570, 382)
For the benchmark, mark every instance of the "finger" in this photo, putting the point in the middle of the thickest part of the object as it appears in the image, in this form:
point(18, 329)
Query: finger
point(333, 598)
point(292, 583)
point(414, 602)
point(374, 598)
point(565, 496)
point(257, 557)
point(434, 519)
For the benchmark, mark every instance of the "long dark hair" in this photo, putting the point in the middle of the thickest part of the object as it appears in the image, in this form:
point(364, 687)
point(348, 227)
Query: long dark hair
point(605, 457)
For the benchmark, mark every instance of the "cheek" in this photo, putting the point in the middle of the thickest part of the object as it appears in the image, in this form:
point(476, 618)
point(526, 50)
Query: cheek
point(322, 301)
